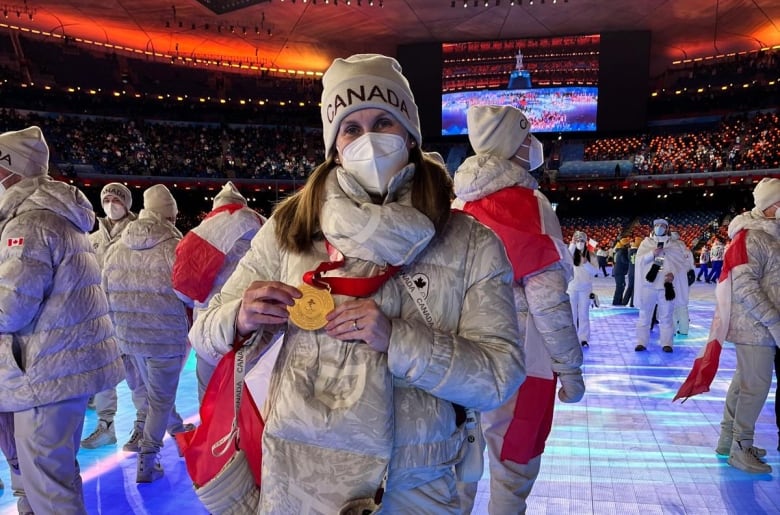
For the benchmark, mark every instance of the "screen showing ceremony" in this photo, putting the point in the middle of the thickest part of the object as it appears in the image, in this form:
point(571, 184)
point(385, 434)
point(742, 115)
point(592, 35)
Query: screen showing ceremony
point(554, 81)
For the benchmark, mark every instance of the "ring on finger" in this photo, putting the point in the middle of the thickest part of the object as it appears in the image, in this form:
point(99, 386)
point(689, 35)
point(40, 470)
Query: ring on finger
point(355, 326)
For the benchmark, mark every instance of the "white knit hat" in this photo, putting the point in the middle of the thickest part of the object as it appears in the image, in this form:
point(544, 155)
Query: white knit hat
point(497, 130)
point(158, 199)
point(660, 221)
point(24, 152)
point(228, 195)
point(363, 81)
point(118, 190)
point(766, 192)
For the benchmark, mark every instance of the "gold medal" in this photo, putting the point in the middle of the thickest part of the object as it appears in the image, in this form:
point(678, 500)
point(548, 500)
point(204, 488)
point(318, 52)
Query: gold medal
point(309, 311)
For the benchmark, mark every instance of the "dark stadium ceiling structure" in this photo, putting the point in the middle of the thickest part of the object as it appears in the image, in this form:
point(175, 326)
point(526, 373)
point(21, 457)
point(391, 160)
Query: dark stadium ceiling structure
point(307, 35)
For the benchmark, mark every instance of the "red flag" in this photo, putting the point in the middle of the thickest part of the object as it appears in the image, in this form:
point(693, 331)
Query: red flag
point(592, 244)
point(705, 366)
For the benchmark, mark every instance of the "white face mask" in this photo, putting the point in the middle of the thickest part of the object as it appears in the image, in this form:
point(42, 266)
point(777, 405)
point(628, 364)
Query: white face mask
point(580, 245)
point(535, 154)
point(374, 158)
point(114, 211)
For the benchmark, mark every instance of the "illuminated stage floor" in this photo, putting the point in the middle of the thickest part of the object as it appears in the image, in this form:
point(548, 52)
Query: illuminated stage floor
point(624, 449)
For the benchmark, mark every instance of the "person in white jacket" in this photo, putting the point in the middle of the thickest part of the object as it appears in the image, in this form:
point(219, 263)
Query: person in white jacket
point(660, 272)
point(580, 287)
point(495, 187)
point(116, 201)
point(206, 257)
point(151, 321)
point(56, 339)
point(752, 290)
point(397, 314)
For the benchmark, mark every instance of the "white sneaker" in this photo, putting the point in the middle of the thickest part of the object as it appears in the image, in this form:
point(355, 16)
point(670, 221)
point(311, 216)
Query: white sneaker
point(746, 459)
point(104, 434)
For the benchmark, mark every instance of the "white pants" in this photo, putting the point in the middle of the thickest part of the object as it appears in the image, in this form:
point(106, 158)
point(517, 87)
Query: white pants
point(682, 319)
point(650, 298)
point(580, 309)
point(748, 390)
point(47, 439)
point(510, 482)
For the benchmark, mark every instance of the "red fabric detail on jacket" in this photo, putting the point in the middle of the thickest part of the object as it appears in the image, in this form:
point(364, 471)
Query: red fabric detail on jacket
point(532, 421)
point(736, 254)
point(230, 208)
point(514, 215)
point(194, 274)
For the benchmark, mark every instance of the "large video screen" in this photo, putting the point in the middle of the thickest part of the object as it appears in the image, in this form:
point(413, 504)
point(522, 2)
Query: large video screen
point(553, 80)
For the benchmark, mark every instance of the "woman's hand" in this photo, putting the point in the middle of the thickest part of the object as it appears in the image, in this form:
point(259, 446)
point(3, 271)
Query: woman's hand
point(360, 319)
point(265, 303)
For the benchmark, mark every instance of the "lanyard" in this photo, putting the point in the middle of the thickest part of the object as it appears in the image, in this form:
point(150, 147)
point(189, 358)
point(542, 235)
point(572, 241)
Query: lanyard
point(352, 286)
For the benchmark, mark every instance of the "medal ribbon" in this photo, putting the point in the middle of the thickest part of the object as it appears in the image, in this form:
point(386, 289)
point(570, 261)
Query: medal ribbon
point(352, 286)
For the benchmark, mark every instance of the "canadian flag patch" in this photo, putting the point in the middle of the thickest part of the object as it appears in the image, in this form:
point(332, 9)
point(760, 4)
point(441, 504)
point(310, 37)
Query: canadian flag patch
point(15, 242)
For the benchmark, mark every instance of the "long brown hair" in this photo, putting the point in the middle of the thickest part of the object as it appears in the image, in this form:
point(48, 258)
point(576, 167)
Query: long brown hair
point(298, 216)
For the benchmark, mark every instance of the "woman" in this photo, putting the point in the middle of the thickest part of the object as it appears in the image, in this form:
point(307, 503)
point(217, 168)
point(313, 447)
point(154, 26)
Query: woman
point(580, 288)
point(372, 388)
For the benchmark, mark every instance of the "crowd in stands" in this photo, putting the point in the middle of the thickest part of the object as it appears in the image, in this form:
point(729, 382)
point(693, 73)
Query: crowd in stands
point(128, 147)
point(740, 142)
point(287, 152)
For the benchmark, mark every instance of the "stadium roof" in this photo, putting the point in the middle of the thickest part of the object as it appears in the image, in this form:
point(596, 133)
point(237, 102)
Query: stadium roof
point(308, 35)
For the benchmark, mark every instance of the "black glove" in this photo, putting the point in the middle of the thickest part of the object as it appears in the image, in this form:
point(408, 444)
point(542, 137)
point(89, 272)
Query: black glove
point(653, 272)
point(691, 277)
point(669, 291)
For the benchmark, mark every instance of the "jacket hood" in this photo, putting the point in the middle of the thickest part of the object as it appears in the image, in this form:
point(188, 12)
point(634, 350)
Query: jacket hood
point(44, 193)
point(148, 231)
point(754, 220)
point(482, 174)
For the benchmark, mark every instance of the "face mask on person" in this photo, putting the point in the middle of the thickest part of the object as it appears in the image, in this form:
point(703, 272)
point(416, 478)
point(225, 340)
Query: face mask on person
point(580, 245)
point(535, 154)
point(114, 211)
point(659, 230)
point(374, 159)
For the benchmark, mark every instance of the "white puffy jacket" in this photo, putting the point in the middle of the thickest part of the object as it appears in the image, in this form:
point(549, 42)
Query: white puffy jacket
point(56, 339)
point(150, 319)
point(337, 412)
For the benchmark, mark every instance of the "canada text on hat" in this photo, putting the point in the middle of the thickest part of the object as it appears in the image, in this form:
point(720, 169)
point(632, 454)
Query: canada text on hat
point(118, 190)
point(365, 81)
point(24, 152)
